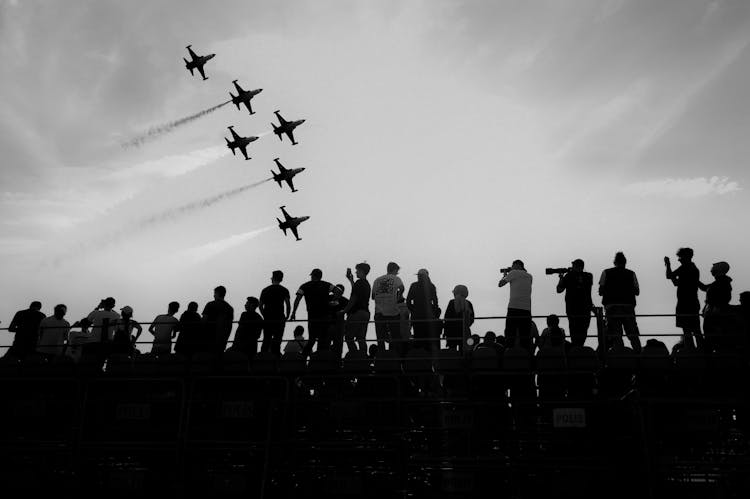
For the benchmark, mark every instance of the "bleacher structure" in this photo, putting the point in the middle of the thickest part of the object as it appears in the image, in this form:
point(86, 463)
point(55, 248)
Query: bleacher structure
point(437, 426)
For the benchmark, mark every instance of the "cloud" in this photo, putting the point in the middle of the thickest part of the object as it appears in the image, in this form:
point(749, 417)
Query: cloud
point(205, 252)
point(688, 188)
point(174, 165)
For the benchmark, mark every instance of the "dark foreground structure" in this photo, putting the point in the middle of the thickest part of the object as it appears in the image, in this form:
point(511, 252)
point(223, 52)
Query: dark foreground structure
point(440, 426)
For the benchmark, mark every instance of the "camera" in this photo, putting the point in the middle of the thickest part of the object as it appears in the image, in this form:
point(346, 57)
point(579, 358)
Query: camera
point(506, 270)
point(557, 270)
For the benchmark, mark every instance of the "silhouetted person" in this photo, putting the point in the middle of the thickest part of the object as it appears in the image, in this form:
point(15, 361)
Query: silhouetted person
point(249, 329)
point(618, 288)
point(78, 338)
point(742, 321)
point(686, 278)
point(315, 292)
point(275, 307)
point(358, 309)
point(518, 321)
point(25, 325)
point(124, 341)
point(386, 290)
point(577, 286)
point(716, 311)
point(191, 331)
point(218, 316)
point(459, 316)
point(101, 336)
point(423, 306)
point(337, 302)
point(490, 341)
point(298, 344)
point(164, 329)
point(553, 335)
point(53, 333)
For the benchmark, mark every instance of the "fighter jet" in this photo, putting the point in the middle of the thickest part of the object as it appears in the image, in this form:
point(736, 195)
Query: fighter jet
point(243, 96)
point(286, 127)
point(290, 223)
point(239, 142)
point(285, 174)
point(197, 62)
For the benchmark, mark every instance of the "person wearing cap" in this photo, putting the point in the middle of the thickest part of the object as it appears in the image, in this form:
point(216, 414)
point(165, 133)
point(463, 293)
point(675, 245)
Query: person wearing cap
point(385, 292)
point(422, 302)
point(618, 288)
point(687, 312)
point(25, 326)
point(518, 319)
point(358, 309)
point(315, 292)
point(123, 341)
point(275, 306)
point(578, 304)
point(716, 309)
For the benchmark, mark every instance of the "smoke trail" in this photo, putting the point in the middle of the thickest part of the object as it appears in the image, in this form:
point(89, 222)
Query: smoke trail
point(205, 252)
point(197, 205)
point(157, 131)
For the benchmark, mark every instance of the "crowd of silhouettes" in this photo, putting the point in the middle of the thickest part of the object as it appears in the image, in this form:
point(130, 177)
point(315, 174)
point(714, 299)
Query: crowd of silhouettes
point(405, 321)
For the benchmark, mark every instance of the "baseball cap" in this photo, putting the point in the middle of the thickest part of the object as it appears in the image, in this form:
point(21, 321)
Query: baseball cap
point(127, 309)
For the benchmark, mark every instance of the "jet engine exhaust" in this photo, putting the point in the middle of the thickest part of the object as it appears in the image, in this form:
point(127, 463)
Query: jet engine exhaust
point(159, 130)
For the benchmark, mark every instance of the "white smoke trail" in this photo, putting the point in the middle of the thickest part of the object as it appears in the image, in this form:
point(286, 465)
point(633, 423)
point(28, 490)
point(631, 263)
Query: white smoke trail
point(205, 252)
point(159, 130)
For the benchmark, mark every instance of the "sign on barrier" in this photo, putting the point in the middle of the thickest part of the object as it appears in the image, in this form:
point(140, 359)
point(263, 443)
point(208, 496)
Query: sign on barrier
point(569, 417)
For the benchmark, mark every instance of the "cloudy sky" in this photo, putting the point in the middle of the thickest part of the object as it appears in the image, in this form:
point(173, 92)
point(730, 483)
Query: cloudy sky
point(451, 135)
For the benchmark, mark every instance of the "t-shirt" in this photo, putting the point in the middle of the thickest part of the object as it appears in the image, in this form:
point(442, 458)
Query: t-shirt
point(618, 286)
point(295, 346)
point(520, 289)
point(360, 296)
point(164, 324)
point(316, 297)
point(577, 287)
point(52, 335)
point(272, 300)
point(385, 293)
point(687, 276)
point(97, 319)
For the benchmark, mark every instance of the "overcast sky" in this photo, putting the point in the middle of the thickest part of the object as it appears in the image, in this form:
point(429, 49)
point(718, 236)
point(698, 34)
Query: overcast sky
point(455, 136)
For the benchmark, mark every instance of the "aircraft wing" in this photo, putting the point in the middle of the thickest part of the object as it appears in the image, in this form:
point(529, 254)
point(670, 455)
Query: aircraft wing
point(200, 70)
point(290, 134)
point(290, 183)
point(294, 231)
point(286, 215)
point(247, 105)
point(243, 148)
point(281, 120)
point(238, 87)
point(192, 54)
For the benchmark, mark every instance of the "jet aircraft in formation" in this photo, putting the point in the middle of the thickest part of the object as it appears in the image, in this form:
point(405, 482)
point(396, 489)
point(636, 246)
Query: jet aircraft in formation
point(244, 96)
point(286, 127)
point(239, 142)
point(285, 174)
point(197, 62)
point(290, 223)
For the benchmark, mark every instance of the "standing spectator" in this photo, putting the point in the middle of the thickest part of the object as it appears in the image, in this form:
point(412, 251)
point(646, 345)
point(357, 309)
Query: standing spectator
point(686, 278)
point(124, 342)
point(716, 310)
point(459, 316)
point(298, 344)
point(337, 302)
point(358, 309)
point(577, 286)
point(101, 335)
point(518, 320)
point(164, 329)
point(25, 325)
point(385, 292)
point(53, 333)
point(423, 305)
point(218, 316)
point(315, 291)
point(78, 339)
point(618, 288)
point(190, 330)
point(275, 307)
point(249, 328)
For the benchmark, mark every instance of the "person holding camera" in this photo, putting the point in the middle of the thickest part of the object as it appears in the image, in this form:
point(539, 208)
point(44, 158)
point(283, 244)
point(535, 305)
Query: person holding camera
point(577, 286)
point(686, 279)
point(518, 320)
point(618, 288)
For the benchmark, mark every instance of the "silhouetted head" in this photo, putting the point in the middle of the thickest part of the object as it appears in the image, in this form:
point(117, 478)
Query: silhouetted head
point(517, 265)
point(192, 306)
point(423, 275)
point(620, 259)
point(338, 290)
point(316, 275)
point(299, 332)
point(373, 350)
point(126, 311)
point(553, 321)
point(60, 311)
point(362, 269)
point(745, 299)
point(277, 276)
point(393, 268)
point(108, 303)
point(461, 291)
point(173, 307)
point(35, 305)
point(500, 340)
point(251, 303)
point(684, 254)
point(577, 265)
point(490, 337)
point(719, 269)
point(220, 292)
point(473, 341)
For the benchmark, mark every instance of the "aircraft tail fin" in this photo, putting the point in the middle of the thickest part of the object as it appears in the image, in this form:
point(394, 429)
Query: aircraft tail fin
point(276, 131)
point(230, 146)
